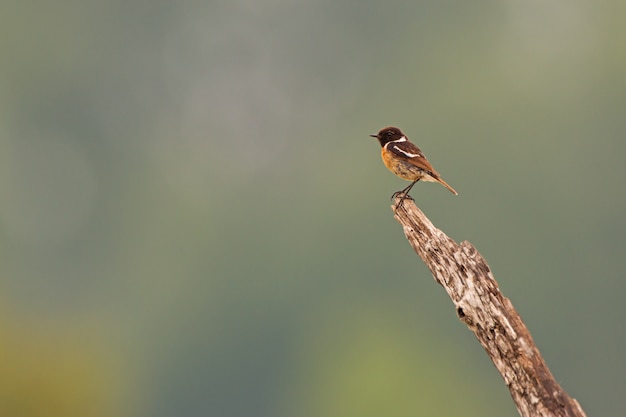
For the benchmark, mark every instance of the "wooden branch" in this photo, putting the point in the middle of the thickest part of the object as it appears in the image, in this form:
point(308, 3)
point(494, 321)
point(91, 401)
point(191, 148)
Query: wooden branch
point(467, 279)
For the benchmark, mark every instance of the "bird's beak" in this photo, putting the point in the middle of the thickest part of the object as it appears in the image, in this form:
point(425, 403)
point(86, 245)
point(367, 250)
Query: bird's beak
point(374, 136)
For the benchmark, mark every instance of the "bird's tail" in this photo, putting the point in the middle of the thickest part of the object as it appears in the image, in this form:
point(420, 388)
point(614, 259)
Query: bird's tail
point(445, 184)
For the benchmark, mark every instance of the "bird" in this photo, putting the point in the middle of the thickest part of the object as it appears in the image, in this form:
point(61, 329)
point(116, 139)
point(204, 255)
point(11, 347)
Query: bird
point(406, 160)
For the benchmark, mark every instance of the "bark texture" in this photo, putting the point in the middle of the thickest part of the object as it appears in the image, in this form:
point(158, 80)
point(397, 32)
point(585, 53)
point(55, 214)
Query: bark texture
point(467, 279)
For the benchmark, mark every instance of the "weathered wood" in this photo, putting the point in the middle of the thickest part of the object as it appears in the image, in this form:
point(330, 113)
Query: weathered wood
point(467, 279)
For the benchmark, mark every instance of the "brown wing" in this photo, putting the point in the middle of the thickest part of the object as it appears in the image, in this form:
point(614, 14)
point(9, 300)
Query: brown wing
point(413, 155)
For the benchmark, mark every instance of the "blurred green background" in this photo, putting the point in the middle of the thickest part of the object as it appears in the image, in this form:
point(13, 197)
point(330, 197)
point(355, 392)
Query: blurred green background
point(194, 221)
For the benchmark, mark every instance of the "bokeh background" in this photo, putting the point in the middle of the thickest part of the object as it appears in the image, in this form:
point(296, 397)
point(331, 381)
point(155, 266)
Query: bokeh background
point(194, 221)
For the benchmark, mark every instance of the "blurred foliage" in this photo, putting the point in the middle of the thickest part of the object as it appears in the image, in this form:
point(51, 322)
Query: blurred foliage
point(193, 220)
point(48, 369)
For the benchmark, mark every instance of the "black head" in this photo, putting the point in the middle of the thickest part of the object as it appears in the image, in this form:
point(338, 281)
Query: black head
point(388, 134)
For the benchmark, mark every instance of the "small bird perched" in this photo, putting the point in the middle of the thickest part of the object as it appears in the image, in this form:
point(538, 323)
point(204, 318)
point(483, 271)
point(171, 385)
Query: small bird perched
point(406, 160)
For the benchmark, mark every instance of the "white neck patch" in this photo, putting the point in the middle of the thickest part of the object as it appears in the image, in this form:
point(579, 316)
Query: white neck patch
point(402, 139)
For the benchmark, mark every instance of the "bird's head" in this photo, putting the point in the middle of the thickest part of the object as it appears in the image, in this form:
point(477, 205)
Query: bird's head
point(388, 134)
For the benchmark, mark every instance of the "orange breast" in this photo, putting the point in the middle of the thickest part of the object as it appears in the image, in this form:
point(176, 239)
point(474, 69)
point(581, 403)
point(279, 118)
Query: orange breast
point(401, 168)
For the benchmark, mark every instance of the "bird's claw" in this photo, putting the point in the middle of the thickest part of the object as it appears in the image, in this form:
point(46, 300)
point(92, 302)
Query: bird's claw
point(402, 194)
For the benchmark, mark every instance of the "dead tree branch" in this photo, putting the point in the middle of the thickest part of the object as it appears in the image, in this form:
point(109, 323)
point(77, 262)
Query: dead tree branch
point(467, 279)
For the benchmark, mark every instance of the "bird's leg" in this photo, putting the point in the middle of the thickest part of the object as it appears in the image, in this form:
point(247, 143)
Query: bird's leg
point(405, 192)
